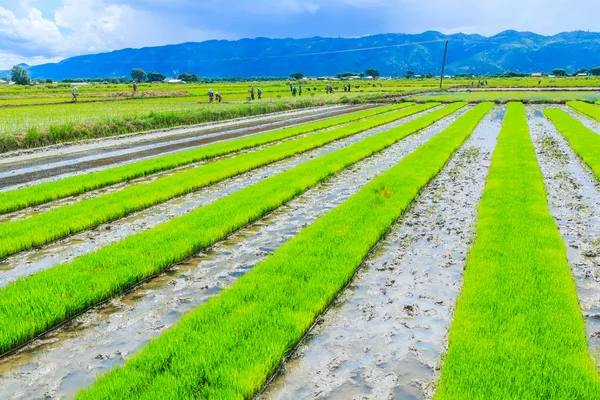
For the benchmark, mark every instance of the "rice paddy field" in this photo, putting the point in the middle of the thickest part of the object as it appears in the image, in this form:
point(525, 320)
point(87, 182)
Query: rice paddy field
point(398, 246)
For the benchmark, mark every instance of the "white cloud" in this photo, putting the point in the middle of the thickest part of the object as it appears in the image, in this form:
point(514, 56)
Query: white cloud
point(7, 60)
point(32, 28)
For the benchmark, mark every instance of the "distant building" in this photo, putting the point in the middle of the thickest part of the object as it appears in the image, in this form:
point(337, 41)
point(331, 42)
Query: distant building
point(551, 76)
point(582, 74)
point(173, 81)
point(537, 75)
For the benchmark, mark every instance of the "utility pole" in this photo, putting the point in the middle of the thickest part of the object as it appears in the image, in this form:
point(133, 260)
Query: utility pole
point(443, 65)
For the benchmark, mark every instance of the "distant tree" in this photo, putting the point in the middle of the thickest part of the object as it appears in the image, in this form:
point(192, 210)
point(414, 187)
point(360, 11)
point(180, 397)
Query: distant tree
point(156, 77)
point(188, 77)
point(559, 72)
point(19, 76)
point(395, 75)
point(595, 71)
point(138, 75)
point(372, 72)
point(581, 71)
point(49, 81)
point(297, 75)
point(409, 74)
point(429, 75)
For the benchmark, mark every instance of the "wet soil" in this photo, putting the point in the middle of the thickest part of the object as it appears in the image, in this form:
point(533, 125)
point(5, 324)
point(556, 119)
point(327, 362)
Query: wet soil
point(26, 263)
point(70, 358)
point(574, 202)
point(386, 333)
point(41, 169)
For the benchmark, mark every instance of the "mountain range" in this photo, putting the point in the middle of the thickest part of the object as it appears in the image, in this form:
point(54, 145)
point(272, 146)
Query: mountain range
point(523, 52)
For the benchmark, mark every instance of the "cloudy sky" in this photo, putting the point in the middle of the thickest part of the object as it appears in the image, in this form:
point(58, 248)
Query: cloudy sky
point(37, 31)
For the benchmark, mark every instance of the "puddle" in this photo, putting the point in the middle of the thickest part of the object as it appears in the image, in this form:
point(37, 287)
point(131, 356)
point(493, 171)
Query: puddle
point(66, 250)
point(71, 357)
point(574, 202)
point(386, 333)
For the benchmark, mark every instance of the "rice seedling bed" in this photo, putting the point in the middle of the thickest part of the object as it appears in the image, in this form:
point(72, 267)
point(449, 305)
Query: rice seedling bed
point(60, 222)
point(46, 299)
point(517, 331)
point(246, 331)
point(39, 194)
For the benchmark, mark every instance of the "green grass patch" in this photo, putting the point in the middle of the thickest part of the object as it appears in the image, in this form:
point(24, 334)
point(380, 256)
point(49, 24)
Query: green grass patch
point(518, 332)
point(60, 222)
point(230, 346)
point(32, 305)
point(35, 195)
point(584, 141)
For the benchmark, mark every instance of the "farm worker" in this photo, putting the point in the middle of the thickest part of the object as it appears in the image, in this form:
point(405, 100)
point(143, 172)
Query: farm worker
point(252, 92)
point(211, 95)
point(218, 97)
point(259, 93)
point(134, 87)
point(291, 89)
point(294, 90)
point(299, 90)
point(74, 93)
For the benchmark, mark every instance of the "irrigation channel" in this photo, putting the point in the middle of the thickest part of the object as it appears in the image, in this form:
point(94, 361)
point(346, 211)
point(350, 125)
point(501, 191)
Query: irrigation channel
point(15, 172)
point(574, 200)
point(70, 358)
point(25, 263)
point(385, 335)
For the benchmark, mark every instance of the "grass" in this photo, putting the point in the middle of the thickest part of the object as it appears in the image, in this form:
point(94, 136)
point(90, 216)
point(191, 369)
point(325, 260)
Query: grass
point(60, 222)
point(230, 346)
point(32, 305)
point(590, 110)
point(518, 332)
point(42, 193)
point(584, 141)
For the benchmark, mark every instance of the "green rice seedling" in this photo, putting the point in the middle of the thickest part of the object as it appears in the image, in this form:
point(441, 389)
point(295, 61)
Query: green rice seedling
point(14, 200)
point(41, 301)
point(591, 110)
point(584, 141)
point(228, 347)
point(60, 222)
point(518, 332)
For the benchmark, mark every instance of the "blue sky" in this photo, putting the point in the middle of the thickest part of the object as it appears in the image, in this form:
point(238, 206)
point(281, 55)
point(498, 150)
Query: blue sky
point(36, 31)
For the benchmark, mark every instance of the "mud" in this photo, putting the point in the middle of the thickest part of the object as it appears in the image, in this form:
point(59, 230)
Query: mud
point(71, 357)
point(574, 202)
point(26, 263)
point(386, 333)
point(12, 175)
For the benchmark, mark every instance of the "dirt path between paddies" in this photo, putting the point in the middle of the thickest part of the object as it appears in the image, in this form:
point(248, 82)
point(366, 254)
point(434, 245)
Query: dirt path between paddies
point(26, 263)
point(574, 201)
point(70, 357)
point(386, 334)
point(39, 170)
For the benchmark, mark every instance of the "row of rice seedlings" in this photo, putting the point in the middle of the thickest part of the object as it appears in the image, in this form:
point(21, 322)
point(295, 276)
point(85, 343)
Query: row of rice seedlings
point(32, 305)
point(591, 110)
point(66, 220)
point(584, 141)
point(228, 347)
point(518, 332)
point(42, 193)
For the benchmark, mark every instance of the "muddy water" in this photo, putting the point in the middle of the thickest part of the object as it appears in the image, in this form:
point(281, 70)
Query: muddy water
point(385, 335)
point(44, 169)
point(71, 357)
point(589, 122)
point(574, 201)
point(26, 263)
